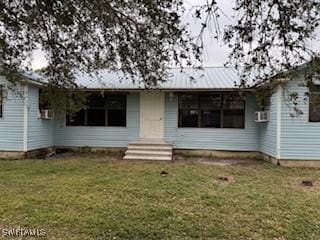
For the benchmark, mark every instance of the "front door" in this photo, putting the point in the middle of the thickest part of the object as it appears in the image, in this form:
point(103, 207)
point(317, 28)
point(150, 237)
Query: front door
point(151, 114)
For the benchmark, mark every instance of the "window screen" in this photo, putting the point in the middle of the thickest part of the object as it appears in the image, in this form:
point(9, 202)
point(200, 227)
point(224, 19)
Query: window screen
point(1, 101)
point(218, 110)
point(101, 110)
point(314, 104)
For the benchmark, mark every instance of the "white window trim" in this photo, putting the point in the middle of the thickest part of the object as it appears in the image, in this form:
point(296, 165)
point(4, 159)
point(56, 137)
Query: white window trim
point(25, 117)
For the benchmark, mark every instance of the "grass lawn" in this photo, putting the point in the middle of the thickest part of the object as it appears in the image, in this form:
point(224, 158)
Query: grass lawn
point(93, 197)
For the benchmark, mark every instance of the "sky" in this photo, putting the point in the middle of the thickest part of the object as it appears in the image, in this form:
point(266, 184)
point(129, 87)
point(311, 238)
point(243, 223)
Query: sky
point(215, 53)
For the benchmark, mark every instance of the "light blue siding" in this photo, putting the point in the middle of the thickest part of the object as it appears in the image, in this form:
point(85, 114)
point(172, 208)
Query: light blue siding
point(300, 139)
point(40, 131)
point(209, 138)
point(11, 124)
point(101, 136)
point(268, 130)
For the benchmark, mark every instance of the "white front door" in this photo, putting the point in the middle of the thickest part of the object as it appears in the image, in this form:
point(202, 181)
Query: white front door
point(151, 115)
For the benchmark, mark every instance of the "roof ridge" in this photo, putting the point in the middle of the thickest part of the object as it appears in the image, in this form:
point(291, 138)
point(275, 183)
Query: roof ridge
point(200, 68)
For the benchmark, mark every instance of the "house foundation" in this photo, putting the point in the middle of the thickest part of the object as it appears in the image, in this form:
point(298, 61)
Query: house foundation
point(217, 154)
point(119, 152)
point(11, 155)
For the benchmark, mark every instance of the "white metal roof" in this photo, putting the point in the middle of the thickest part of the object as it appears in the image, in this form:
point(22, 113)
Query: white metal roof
point(189, 78)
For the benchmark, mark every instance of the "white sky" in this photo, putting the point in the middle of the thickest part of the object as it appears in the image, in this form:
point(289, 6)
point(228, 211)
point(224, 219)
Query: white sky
point(215, 52)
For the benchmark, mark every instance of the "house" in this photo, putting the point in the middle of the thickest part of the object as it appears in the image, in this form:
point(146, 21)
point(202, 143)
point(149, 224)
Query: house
point(205, 113)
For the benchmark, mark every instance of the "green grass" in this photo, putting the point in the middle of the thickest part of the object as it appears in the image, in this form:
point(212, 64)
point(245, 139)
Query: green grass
point(91, 197)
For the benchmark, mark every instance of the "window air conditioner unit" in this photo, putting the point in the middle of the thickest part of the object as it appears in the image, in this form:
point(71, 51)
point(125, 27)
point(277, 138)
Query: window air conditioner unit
point(45, 114)
point(261, 116)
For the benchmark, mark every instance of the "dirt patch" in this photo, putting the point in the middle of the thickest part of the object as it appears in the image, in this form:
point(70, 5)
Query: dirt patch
point(218, 161)
point(227, 179)
point(299, 183)
point(228, 162)
point(62, 155)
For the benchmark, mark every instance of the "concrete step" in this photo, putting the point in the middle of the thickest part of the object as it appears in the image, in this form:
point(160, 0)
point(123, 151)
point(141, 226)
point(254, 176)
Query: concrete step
point(148, 147)
point(145, 157)
point(148, 152)
point(150, 144)
point(151, 140)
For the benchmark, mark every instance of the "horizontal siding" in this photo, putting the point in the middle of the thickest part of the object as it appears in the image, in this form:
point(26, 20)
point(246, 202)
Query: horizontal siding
point(268, 130)
point(300, 139)
point(40, 131)
point(210, 138)
point(11, 124)
point(101, 136)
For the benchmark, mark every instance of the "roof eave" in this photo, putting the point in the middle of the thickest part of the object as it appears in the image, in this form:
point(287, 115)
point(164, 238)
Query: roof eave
point(28, 80)
point(32, 82)
point(169, 89)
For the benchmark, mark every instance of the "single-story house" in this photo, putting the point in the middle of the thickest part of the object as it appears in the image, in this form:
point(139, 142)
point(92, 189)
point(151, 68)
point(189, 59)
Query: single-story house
point(203, 113)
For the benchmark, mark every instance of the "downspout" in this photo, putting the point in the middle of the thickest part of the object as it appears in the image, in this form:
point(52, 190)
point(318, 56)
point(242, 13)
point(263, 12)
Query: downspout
point(279, 121)
point(25, 117)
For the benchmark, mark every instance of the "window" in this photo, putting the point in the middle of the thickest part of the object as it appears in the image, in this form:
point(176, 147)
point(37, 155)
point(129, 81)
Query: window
point(76, 119)
point(210, 106)
point(217, 110)
point(314, 104)
point(109, 110)
point(188, 111)
point(43, 100)
point(233, 111)
point(116, 111)
point(96, 113)
point(1, 101)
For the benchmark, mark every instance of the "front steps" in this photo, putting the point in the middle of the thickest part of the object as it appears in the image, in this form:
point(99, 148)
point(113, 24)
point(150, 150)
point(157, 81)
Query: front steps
point(149, 149)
